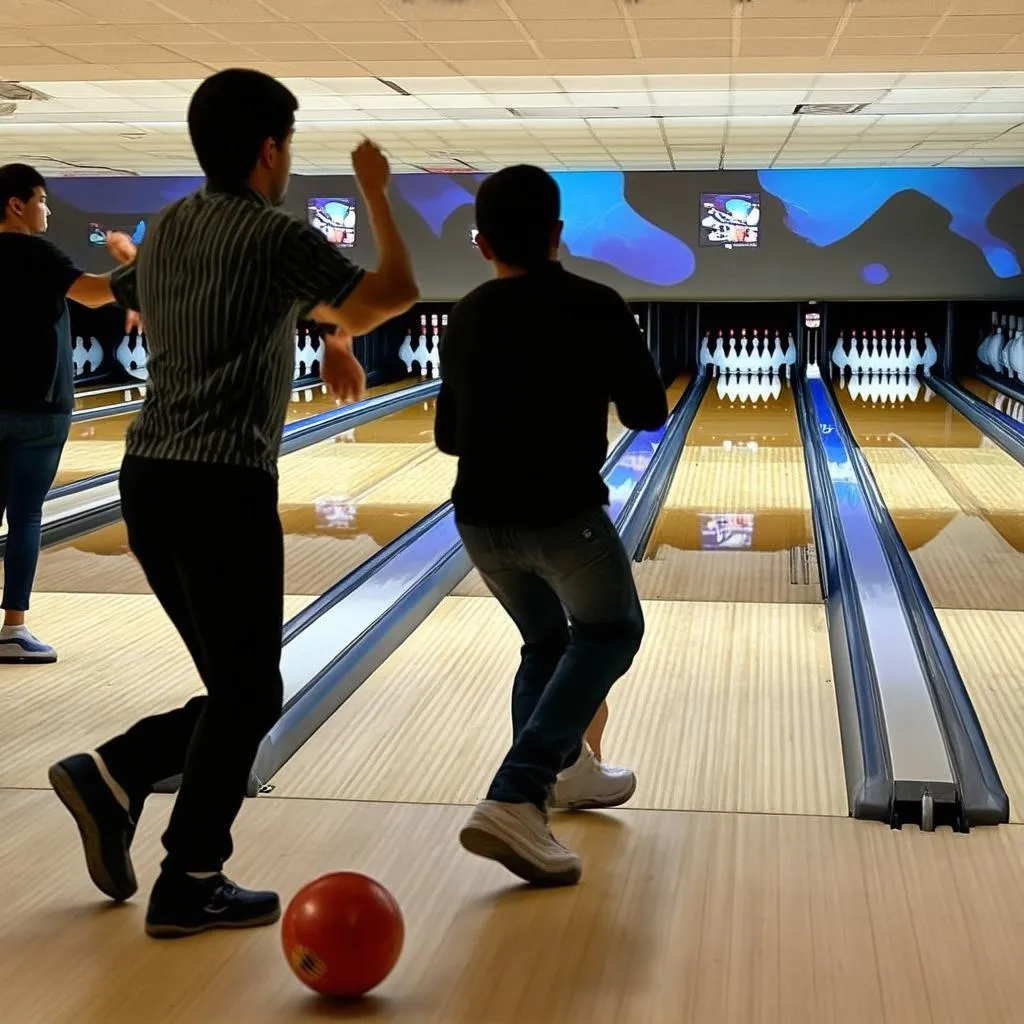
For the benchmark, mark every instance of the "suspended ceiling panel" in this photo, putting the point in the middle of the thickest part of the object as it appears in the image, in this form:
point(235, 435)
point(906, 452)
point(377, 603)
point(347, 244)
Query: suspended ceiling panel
point(565, 83)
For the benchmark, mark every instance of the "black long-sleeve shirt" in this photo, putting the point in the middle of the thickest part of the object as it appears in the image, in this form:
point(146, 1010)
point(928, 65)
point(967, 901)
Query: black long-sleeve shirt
point(529, 365)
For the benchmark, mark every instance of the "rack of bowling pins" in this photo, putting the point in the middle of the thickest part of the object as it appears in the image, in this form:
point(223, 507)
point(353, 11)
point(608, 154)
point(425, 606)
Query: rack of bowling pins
point(87, 356)
point(309, 353)
point(424, 356)
point(882, 354)
point(1003, 347)
point(759, 356)
point(749, 387)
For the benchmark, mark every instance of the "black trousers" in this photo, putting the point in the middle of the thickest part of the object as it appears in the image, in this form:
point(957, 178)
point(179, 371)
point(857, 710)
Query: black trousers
point(209, 540)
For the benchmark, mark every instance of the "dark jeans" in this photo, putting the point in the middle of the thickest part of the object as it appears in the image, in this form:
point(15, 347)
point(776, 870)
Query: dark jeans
point(570, 590)
point(209, 539)
point(30, 450)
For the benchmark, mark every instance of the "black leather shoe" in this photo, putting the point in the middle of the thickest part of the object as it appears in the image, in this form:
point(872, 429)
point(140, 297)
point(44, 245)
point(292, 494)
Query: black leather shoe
point(181, 905)
point(106, 828)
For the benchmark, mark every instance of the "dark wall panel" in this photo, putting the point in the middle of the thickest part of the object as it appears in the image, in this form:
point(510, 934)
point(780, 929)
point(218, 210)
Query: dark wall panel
point(867, 233)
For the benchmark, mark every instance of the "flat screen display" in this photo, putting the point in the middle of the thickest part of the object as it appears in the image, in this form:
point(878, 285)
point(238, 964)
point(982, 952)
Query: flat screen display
point(730, 220)
point(728, 531)
point(335, 219)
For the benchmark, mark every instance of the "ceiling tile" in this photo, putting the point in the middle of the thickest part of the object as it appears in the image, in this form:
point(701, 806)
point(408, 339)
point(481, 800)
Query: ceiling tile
point(206, 11)
point(468, 31)
point(861, 26)
point(480, 53)
point(979, 24)
point(597, 29)
point(873, 46)
point(782, 47)
point(385, 51)
point(430, 10)
point(601, 83)
point(965, 44)
point(173, 33)
point(204, 52)
point(582, 10)
point(986, 7)
point(786, 28)
point(683, 28)
point(680, 48)
point(903, 8)
point(387, 68)
point(337, 31)
point(29, 56)
point(48, 12)
point(609, 49)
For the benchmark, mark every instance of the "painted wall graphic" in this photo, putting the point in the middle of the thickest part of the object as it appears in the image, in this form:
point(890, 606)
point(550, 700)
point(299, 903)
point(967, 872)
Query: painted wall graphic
point(820, 233)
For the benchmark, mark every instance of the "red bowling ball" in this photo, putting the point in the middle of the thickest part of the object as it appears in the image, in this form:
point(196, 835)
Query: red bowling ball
point(343, 934)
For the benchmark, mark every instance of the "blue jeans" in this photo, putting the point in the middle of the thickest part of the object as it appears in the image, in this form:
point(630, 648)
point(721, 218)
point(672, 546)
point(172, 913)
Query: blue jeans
point(569, 589)
point(30, 450)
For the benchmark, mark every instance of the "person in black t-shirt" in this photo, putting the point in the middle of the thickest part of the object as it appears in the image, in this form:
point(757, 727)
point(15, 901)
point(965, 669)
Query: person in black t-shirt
point(36, 384)
point(530, 362)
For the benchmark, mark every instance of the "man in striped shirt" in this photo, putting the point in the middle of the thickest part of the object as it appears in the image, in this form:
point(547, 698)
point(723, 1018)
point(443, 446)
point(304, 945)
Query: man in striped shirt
point(220, 283)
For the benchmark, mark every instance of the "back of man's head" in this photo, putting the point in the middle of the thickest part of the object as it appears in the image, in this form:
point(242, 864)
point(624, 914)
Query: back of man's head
point(18, 181)
point(231, 116)
point(517, 213)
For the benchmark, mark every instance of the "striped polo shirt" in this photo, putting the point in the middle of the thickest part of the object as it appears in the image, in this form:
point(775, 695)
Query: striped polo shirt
point(220, 282)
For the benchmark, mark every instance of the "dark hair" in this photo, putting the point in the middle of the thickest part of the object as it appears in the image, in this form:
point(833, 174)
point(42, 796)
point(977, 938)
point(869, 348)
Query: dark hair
point(231, 115)
point(18, 181)
point(517, 209)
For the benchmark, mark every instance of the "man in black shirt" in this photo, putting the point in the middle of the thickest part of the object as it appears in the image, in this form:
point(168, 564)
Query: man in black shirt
point(530, 362)
point(36, 385)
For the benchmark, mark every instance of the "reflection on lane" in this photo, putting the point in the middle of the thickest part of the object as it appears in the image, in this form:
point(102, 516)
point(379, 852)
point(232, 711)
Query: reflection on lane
point(97, 446)
point(341, 501)
point(1009, 406)
point(736, 523)
point(321, 487)
point(98, 398)
point(956, 498)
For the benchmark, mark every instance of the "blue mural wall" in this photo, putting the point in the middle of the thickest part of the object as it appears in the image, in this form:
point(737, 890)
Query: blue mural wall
point(818, 233)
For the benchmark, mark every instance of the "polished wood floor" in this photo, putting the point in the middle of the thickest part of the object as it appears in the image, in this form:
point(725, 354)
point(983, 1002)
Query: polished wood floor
point(734, 889)
point(705, 918)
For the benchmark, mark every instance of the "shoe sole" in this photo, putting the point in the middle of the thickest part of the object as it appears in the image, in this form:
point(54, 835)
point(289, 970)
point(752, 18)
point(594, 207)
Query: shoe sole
point(177, 931)
point(28, 659)
point(67, 792)
point(492, 847)
point(597, 805)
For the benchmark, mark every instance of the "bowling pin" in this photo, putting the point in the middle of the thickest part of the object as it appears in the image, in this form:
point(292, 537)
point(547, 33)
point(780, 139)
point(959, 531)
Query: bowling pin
point(984, 357)
point(840, 360)
point(930, 355)
point(405, 351)
point(718, 355)
point(731, 355)
point(704, 357)
point(790, 354)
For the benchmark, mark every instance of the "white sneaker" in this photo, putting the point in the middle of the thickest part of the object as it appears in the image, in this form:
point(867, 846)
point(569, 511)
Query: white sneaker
point(590, 783)
point(19, 646)
point(518, 837)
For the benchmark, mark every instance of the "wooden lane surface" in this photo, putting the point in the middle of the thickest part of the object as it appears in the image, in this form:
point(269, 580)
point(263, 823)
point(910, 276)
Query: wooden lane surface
point(97, 446)
point(727, 708)
point(741, 458)
point(717, 918)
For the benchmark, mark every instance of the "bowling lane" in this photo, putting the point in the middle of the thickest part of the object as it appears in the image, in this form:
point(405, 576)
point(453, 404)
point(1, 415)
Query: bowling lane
point(100, 397)
point(341, 500)
point(728, 706)
point(736, 523)
point(1010, 406)
point(957, 500)
point(97, 446)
